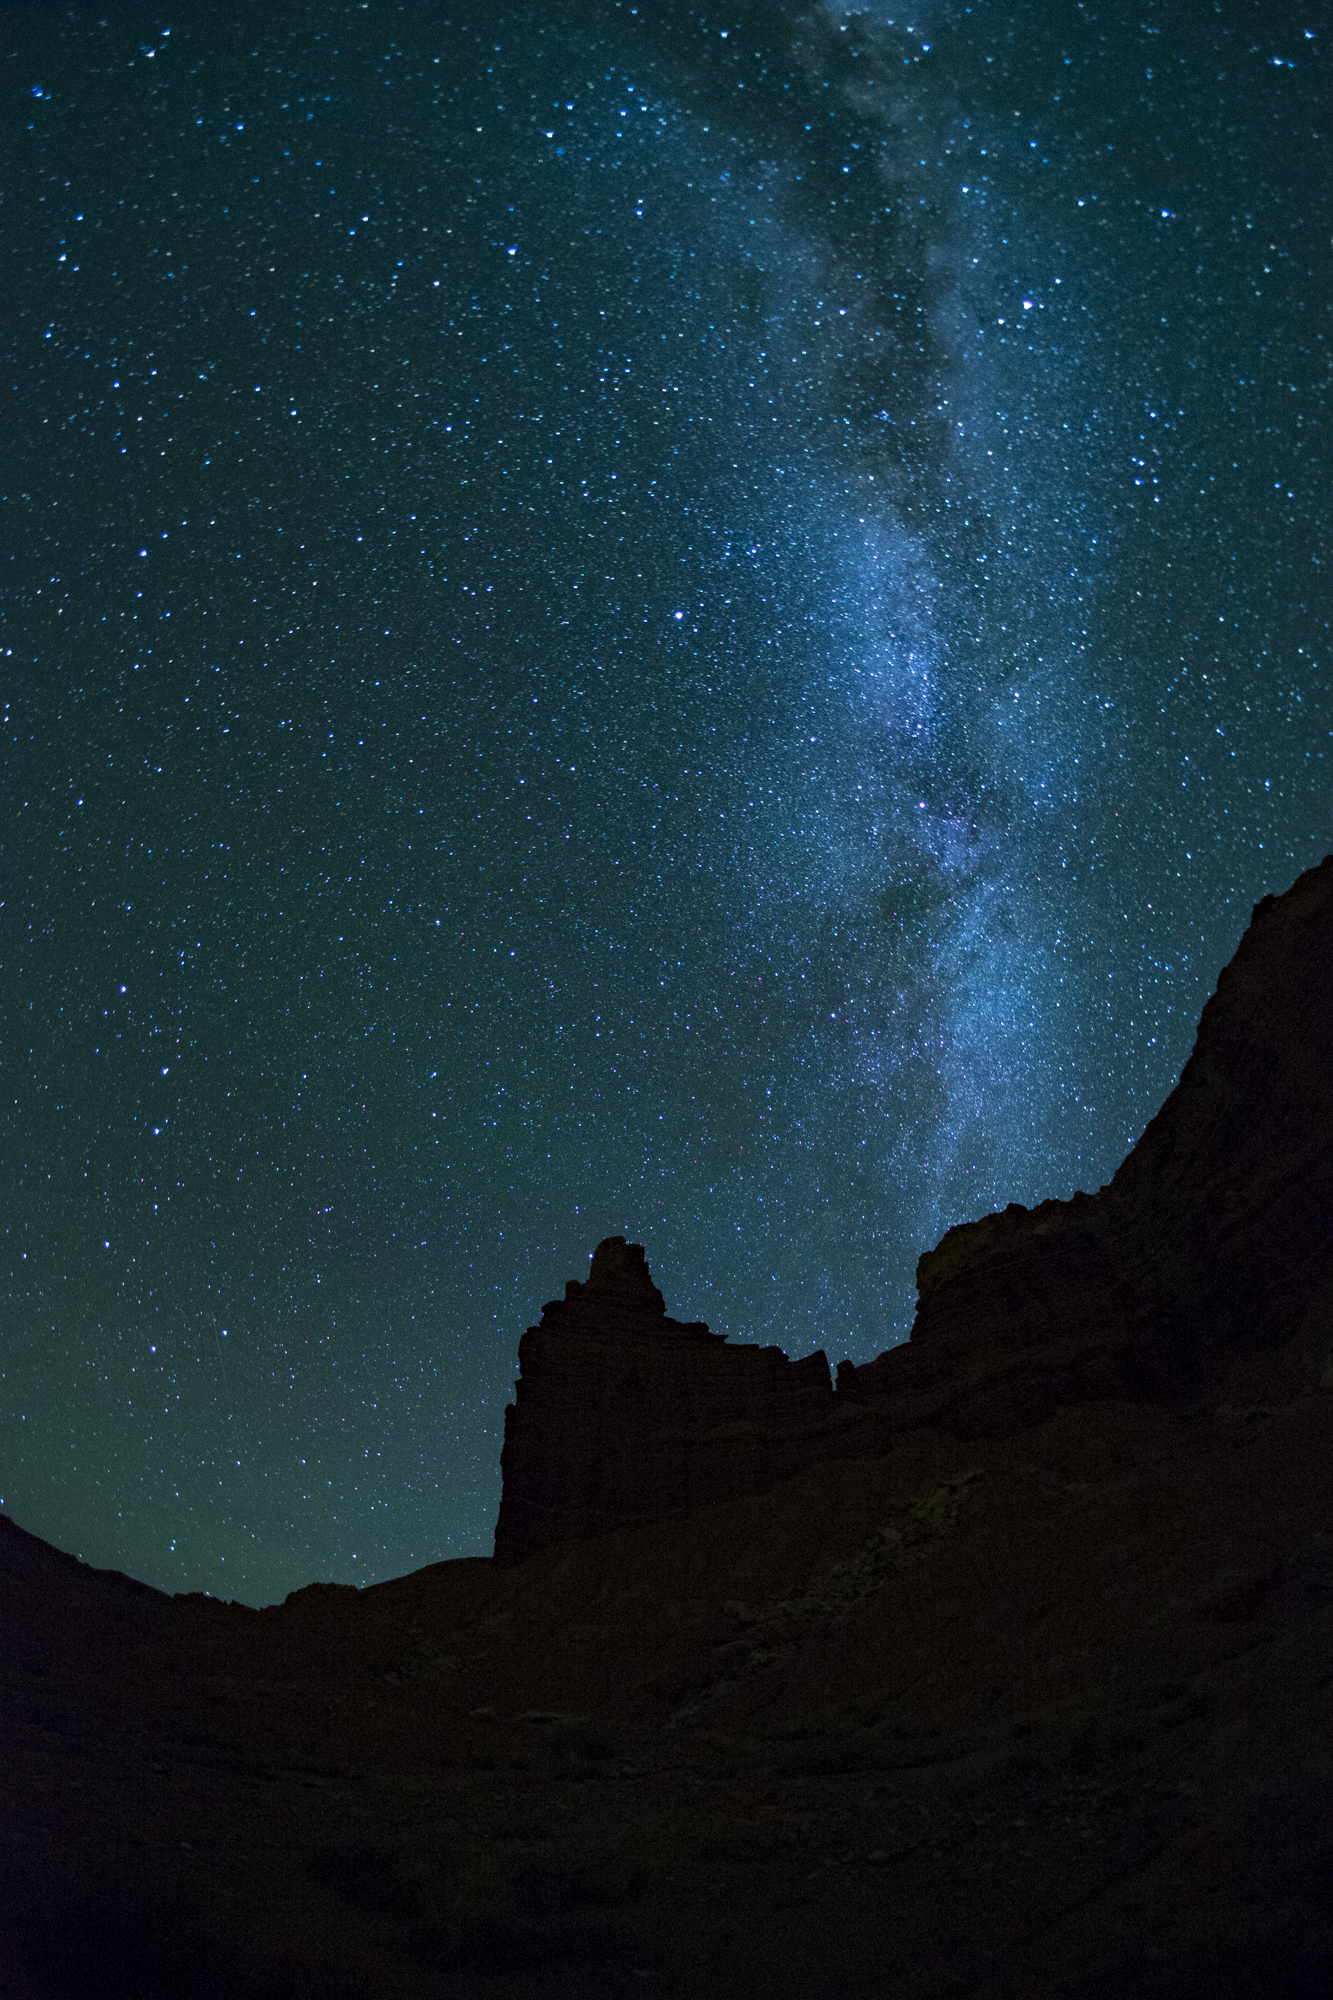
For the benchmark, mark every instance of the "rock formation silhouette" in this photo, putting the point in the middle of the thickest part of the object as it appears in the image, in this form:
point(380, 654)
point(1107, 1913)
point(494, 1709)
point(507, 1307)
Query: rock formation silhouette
point(1001, 1671)
point(1210, 1249)
point(625, 1415)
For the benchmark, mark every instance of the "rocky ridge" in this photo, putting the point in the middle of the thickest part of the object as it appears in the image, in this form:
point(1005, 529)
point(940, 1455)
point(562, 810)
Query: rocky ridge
point(1207, 1253)
point(1032, 1704)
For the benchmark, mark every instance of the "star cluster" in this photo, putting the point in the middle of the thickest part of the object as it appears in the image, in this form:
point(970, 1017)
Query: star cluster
point(619, 619)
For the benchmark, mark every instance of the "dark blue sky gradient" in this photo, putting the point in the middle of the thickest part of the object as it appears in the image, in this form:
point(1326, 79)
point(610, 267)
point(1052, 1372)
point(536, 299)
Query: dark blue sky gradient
point(698, 624)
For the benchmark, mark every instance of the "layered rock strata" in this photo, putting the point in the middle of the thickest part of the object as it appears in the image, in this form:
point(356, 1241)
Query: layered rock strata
point(1206, 1261)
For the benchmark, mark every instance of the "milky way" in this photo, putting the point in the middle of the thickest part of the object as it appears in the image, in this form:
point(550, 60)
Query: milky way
point(702, 625)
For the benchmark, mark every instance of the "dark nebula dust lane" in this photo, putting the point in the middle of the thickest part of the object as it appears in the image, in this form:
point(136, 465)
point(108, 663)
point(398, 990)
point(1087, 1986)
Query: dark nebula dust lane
point(617, 620)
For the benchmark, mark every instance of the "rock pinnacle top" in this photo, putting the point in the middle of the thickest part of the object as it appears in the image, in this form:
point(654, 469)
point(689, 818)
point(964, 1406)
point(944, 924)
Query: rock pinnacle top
point(618, 1266)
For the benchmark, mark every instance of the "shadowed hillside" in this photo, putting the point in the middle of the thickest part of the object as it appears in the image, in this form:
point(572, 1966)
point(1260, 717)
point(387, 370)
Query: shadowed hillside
point(1001, 1670)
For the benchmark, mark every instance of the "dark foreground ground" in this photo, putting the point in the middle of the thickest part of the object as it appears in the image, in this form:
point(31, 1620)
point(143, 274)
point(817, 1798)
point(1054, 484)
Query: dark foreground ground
point(1047, 1717)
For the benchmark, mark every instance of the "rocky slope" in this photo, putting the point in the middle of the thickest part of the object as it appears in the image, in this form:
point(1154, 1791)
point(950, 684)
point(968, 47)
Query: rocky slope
point(1032, 1703)
point(1036, 1719)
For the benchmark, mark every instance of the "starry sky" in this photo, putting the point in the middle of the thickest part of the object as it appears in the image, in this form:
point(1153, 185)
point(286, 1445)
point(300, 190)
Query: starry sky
point(691, 621)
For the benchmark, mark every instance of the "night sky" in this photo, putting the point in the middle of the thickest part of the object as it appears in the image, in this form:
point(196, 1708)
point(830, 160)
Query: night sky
point(693, 622)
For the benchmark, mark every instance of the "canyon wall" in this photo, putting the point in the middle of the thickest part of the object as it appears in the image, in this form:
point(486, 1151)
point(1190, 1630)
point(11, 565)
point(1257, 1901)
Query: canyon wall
point(1210, 1253)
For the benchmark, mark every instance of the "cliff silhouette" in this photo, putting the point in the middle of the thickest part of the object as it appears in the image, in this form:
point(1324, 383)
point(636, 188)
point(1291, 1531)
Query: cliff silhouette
point(1207, 1253)
point(1000, 1669)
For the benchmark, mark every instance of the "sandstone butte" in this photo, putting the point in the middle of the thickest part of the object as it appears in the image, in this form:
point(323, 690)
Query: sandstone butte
point(1001, 1671)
